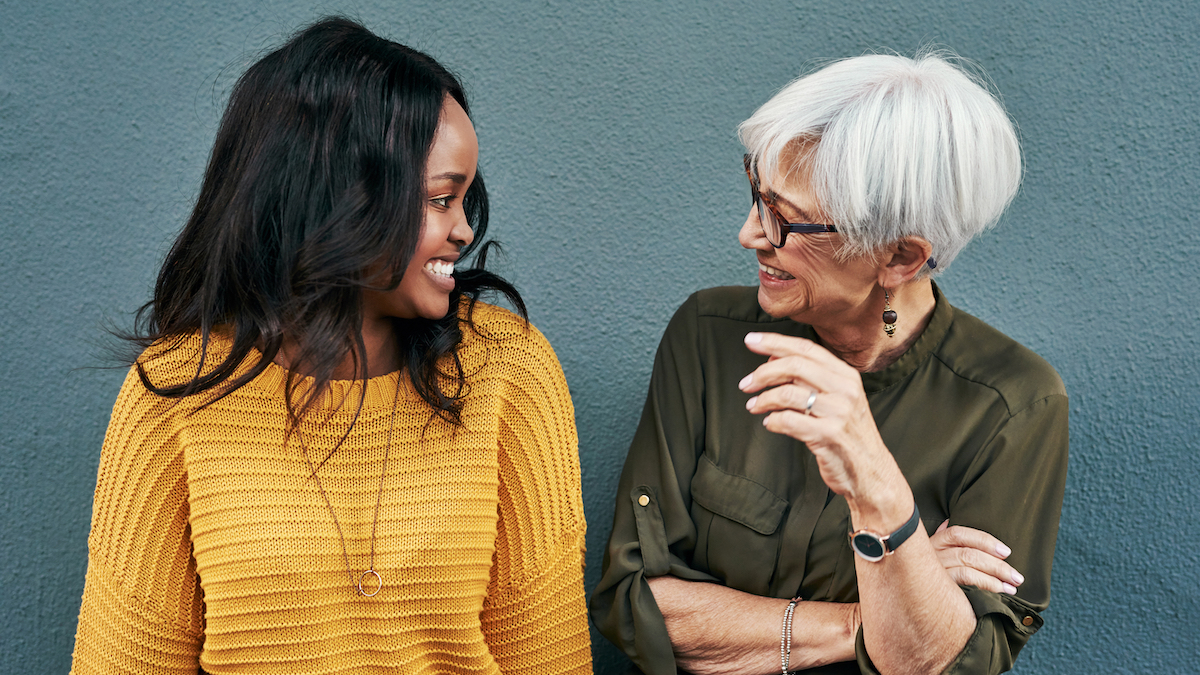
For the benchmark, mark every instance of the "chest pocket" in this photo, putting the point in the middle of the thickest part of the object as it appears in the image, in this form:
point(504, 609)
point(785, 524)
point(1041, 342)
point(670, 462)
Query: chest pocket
point(737, 522)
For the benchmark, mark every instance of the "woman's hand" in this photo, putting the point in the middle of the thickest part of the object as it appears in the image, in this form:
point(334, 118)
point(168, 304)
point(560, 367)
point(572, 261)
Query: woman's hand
point(975, 558)
point(815, 397)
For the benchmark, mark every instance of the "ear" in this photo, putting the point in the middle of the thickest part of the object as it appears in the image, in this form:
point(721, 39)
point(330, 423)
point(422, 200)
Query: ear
point(901, 261)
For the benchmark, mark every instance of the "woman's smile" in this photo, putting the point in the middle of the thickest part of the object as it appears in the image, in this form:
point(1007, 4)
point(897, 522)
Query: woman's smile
point(768, 274)
point(441, 272)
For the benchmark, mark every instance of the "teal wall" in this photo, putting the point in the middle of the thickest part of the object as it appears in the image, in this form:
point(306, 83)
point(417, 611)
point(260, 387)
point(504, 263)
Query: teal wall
point(607, 134)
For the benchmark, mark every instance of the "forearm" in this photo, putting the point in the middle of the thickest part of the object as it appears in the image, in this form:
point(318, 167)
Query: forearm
point(706, 641)
point(541, 626)
point(915, 618)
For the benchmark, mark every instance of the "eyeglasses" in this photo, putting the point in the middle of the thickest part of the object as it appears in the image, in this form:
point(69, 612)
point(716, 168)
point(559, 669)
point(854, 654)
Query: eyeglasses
point(774, 225)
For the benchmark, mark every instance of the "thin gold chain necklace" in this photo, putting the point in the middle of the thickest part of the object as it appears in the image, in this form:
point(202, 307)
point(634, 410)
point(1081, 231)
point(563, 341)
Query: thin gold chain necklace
point(370, 571)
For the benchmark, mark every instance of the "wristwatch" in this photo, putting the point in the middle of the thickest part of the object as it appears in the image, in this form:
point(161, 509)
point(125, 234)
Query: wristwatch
point(873, 547)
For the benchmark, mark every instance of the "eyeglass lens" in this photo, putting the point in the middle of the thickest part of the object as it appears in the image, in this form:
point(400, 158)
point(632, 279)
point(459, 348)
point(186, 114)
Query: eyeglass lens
point(770, 224)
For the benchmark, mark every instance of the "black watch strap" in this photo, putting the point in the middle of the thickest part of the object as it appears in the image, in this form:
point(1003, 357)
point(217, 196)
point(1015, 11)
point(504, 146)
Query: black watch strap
point(873, 547)
point(893, 540)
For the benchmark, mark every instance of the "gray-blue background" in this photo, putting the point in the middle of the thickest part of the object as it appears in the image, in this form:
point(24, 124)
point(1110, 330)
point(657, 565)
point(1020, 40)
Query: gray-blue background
point(607, 133)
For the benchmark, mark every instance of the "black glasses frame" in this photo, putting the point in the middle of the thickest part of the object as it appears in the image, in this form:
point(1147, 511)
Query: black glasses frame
point(775, 226)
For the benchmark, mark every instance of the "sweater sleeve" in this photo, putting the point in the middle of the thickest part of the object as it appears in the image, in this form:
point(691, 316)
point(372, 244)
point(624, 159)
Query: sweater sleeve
point(142, 605)
point(534, 617)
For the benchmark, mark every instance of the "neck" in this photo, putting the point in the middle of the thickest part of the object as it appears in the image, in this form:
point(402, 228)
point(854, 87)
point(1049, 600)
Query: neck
point(382, 353)
point(862, 342)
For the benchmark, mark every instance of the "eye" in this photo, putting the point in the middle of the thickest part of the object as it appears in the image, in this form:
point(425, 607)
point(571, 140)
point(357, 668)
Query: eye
point(443, 201)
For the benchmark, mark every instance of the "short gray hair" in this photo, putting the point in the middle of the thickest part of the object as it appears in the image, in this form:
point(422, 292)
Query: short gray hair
point(896, 147)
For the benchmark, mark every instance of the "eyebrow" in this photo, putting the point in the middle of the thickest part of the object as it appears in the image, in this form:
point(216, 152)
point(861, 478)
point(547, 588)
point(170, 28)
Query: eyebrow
point(804, 215)
point(458, 178)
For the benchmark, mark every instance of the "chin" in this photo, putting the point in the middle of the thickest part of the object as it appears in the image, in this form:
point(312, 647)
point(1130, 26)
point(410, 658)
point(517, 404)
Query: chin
point(433, 314)
point(772, 306)
point(436, 310)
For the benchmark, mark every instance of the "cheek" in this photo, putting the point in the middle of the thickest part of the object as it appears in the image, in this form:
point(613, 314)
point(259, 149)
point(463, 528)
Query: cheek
point(802, 263)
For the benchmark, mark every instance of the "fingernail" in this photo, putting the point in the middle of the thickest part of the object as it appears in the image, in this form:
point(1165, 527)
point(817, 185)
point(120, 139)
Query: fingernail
point(753, 338)
point(745, 382)
point(1017, 578)
point(1010, 589)
point(1003, 550)
point(750, 403)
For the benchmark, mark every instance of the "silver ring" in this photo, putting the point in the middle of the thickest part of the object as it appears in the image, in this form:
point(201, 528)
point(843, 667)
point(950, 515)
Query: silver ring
point(812, 398)
point(378, 587)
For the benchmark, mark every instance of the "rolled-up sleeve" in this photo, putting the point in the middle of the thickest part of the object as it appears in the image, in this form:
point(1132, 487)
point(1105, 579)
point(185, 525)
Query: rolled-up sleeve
point(653, 533)
point(1014, 491)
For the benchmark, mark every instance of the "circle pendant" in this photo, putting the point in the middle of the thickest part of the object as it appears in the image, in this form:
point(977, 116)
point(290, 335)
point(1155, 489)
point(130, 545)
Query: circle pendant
point(378, 584)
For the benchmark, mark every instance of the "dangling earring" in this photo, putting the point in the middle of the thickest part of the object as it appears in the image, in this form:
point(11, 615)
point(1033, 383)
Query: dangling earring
point(889, 316)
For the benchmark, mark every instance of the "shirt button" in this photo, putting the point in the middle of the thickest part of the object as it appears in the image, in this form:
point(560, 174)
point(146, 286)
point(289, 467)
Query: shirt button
point(1028, 621)
point(644, 500)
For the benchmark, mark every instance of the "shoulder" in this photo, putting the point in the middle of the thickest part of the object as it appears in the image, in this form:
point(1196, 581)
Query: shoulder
point(723, 315)
point(713, 306)
point(737, 303)
point(175, 360)
point(502, 334)
point(488, 323)
point(497, 343)
point(977, 352)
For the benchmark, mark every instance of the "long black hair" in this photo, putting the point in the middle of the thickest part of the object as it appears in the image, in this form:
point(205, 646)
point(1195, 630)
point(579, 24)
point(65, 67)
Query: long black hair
point(316, 177)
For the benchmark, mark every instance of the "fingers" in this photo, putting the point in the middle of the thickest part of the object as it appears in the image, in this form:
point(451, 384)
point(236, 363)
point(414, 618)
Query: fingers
point(970, 537)
point(774, 344)
point(798, 425)
point(990, 566)
point(796, 370)
point(967, 576)
point(797, 398)
point(975, 558)
point(798, 360)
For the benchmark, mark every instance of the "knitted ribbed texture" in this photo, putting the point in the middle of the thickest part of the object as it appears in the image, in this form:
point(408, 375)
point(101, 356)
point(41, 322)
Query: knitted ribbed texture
point(211, 547)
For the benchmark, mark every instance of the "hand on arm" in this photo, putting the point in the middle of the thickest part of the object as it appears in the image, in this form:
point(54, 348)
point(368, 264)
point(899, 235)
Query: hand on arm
point(706, 642)
point(915, 618)
point(975, 558)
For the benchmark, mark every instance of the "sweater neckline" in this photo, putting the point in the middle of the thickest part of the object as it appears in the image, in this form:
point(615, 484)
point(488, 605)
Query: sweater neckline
point(380, 391)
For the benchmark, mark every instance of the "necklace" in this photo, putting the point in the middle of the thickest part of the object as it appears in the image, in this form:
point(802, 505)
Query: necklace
point(370, 571)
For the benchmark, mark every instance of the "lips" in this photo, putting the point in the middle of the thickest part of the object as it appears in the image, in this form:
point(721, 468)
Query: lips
point(774, 273)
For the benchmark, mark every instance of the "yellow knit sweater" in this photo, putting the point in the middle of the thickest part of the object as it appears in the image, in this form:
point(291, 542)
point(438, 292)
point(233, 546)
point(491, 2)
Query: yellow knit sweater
point(212, 548)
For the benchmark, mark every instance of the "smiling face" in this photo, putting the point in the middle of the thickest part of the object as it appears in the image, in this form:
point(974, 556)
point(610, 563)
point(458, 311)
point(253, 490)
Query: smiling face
point(804, 280)
point(424, 291)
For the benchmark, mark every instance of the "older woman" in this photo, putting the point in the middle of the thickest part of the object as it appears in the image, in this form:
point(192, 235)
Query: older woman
point(845, 396)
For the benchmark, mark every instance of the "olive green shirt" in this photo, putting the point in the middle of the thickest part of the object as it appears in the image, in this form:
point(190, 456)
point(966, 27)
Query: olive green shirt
point(976, 422)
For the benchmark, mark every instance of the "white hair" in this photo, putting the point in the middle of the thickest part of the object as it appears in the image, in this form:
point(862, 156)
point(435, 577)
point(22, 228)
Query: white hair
point(895, 147)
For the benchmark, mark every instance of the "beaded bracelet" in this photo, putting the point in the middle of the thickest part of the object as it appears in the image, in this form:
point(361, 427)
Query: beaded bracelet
point(785, 639)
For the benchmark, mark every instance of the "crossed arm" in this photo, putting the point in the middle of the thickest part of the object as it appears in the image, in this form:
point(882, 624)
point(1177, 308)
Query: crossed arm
point(706, 642)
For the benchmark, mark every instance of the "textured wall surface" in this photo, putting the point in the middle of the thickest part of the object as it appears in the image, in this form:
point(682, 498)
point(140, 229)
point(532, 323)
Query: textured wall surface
point(607, 134)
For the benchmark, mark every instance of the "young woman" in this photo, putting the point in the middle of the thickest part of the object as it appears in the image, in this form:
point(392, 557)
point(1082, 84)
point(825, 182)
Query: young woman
point(329, 456)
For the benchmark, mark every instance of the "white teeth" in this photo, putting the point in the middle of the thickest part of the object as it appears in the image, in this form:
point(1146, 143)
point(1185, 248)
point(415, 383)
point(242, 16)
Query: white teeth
point(778, 274)
point(438, 267)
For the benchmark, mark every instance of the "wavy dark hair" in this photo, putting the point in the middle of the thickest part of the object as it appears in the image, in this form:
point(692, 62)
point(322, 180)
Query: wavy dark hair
point(316, 177)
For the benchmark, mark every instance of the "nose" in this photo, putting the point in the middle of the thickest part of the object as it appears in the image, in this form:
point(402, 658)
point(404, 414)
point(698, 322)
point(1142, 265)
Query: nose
point(462, 234)
point(751, 235)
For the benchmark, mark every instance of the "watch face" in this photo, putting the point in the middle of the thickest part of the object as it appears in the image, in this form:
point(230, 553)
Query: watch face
point(867, 545)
